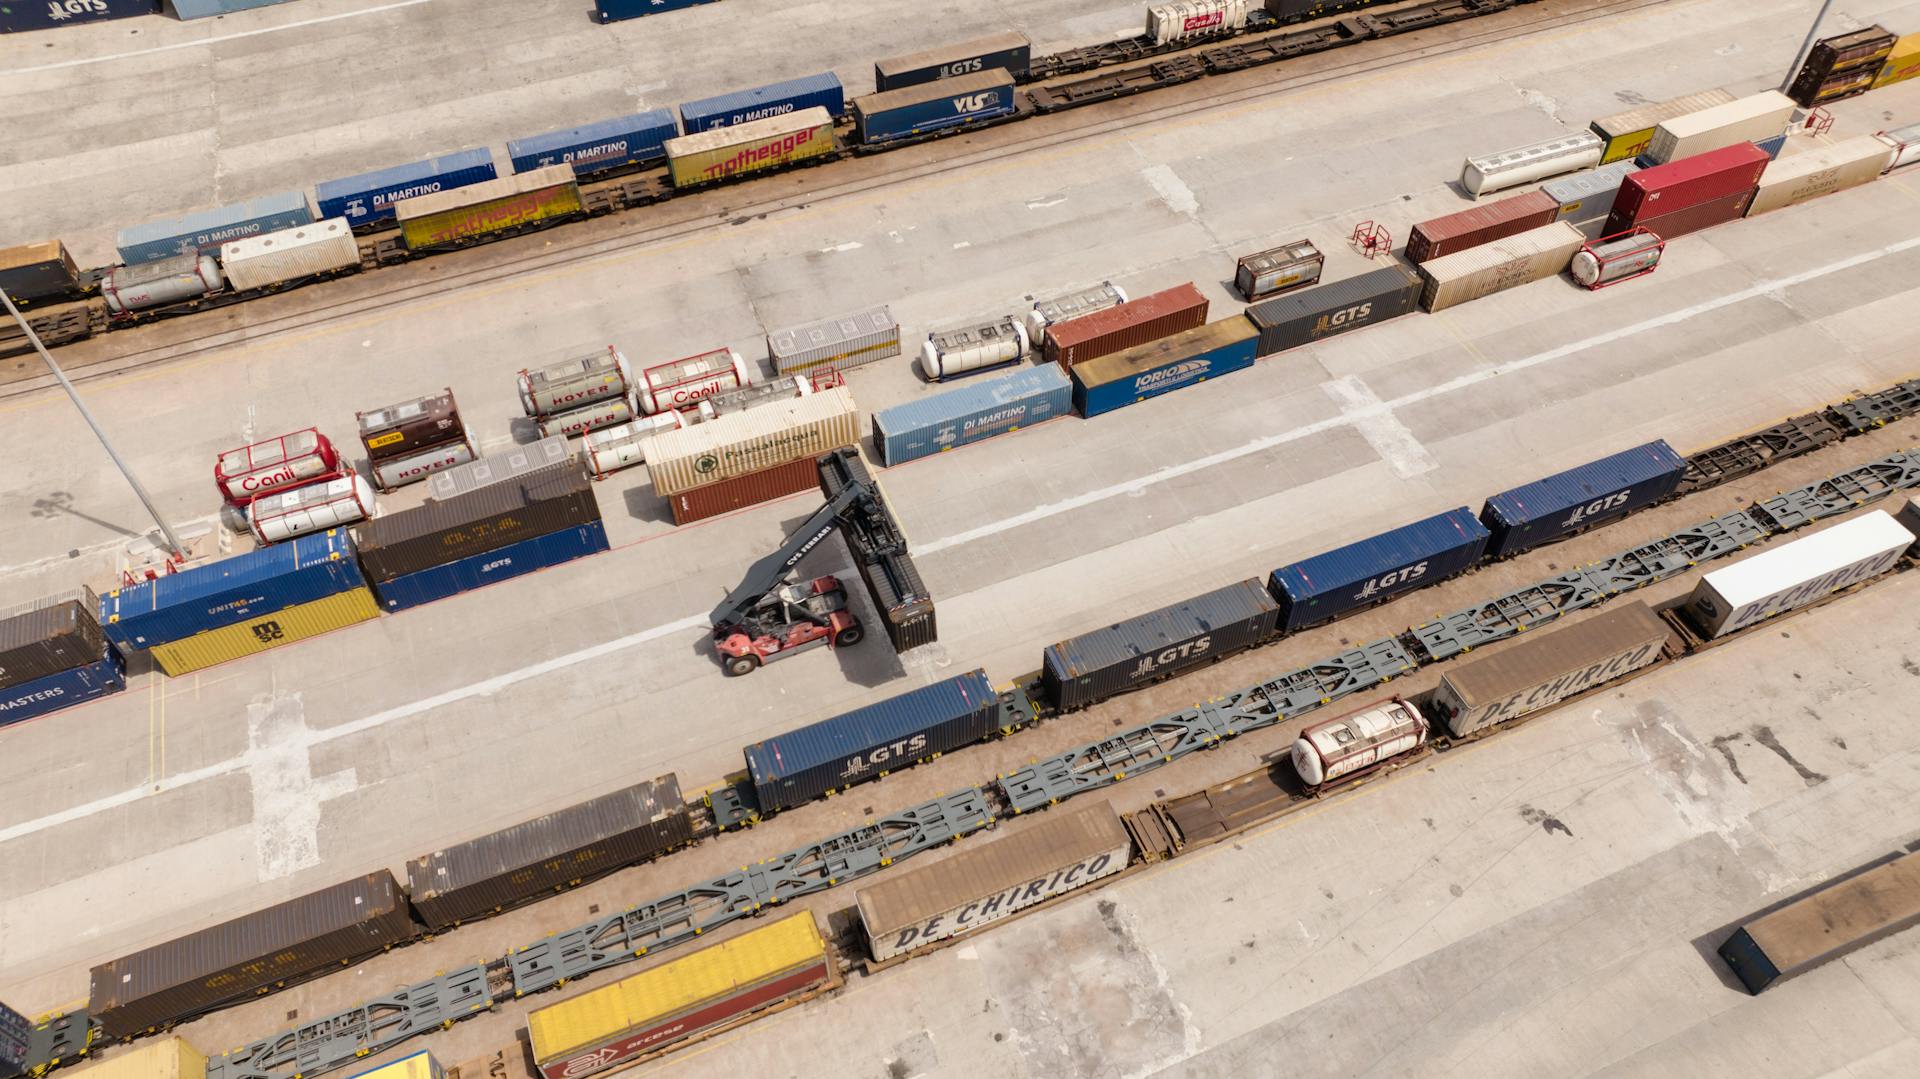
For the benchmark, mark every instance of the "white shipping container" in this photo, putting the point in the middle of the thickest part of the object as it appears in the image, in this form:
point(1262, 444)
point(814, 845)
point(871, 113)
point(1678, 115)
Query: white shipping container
point(1748, 119)
point(1819, 171)
point(1903, 145)
point(1627, 133)
point(278, 257)
point(1797, 574)
point(1534, 255)
point(1525, 164)
point(317, 508)
point(835, 344)
point(1172, 22)
point(753, 441)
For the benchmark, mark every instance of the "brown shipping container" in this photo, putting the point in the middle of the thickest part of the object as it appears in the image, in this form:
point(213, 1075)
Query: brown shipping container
point(1481, 224)
point(1543, 669)
point(1136, 322)
point(1844, 52)
point(1694, 218)
point(1809, 90)
point(410, 426)
point(249, 955)
point(50, 637)
point(488, 518)
point(548, 853)
point(740, 492)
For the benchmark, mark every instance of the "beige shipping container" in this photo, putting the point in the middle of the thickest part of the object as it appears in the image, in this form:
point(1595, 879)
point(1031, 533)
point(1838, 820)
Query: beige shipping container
point(1534, 255)
point(1749, 119)
point(1628, 133)
point(753, 441)
point(708, 156)
point(170, 1058)
point(277, 257)
point(1820, 171)
point(1544, 669)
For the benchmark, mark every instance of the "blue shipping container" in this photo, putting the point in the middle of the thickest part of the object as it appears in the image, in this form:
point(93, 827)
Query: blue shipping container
point(629, 140)
point(1580, 498)
point(63, 690)
point(43, 14)
point(799, 766)
point(971, 413)
point(616, 10)
point(1185, 359)
point(492, 567)
point(200, 9)
point(1346, 579)
point(931, 107)
point(1773, 145)
point(369, 197)
point(205, 231)
point(230, 591)
point(777, 99)
point(1156, 645)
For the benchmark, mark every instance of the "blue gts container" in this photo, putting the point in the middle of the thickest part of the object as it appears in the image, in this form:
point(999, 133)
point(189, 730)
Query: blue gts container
point(1346, 579)
point(1580, 498)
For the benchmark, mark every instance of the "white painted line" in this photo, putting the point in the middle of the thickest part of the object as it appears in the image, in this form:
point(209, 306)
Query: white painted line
point(1172, 189)
point(217, 39)
point(1381, 428)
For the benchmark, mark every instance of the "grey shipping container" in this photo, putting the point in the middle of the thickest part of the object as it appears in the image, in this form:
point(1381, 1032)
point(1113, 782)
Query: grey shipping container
point(1833, 919)
point(905, 605)
point(494, 467)
point(49, 637)
point(548, 853)
point(249, 955)
point(1157, 645)
point(1291, 321)
point(1589, 196)
point(1007, 50)
point(1580, 498)
point(796, 767)
point(435, 533)
point(836, 343)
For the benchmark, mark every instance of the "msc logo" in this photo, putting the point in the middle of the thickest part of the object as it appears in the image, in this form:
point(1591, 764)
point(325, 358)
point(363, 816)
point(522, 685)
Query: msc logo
point(268, 632)
point(1191, 650)
point(961, 67)
point(1341, 318)
point(61, 10)
point(1597, 507)
point(1388, 580)
point(974, 103)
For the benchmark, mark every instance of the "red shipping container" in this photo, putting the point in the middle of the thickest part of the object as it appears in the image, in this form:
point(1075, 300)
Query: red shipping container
point(742, 491)
point(1136, 322)
point(1699, 216)
point(1690, 181)
point(1481, 225)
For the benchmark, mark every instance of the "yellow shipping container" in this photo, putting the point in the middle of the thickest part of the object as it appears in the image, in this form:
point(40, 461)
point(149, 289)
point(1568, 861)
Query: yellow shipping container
point(1904, 64)
point(706, 156)
point(1628, 133)
point(596, 1019)
point(295, 623)
point(481, 209)
point(420, 1065)
point(172, 1058)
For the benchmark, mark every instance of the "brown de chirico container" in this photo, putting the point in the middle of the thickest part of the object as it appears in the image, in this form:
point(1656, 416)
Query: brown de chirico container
point(740, 492)
point(1481, 225)
point(549, 853)
point(50, 636)
point(1136, 322)
point(250, 955)
point(488, 518)
point(410, 426)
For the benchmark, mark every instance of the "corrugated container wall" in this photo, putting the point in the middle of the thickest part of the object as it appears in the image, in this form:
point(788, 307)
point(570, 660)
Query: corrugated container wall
point(489, 207)
point(491, 567)
point(50, 636)
point(753, 441)
point(1589, 196)
point(1135, 322)
point(1581, 498)
point(203, 232)
point(53, 692)
point(1369, 571)
point(1663, 189)
point(1156, 645)
point(508, 464)
point(835, 344)
point(369, 198)
point(38, 271)
point(903, 600)
point(913, 111)
point(1902, 64)
point(16, 17)
point(1009, 51)
point(712, 156)
point(1503, 264)
point(739, 492)
point(1468, 229)
point(1628, 133)
point(485, 519)
point(1543, 669)
point(16, 1031)
point(773, 100)
point(1291, 321)
point(1748, 119)
point(168, 1058)
point(959, 417)
point(638, 139)
point(262, 632)
point(1819, 171)
point(1172, 363)
point(1802, 572)
point(1705, 215)
point(278, 257)
point(615, 10)
point(229, 591)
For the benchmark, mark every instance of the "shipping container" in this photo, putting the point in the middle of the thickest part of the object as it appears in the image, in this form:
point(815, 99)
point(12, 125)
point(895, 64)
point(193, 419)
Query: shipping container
point(1772, 147)
point(206, 9)
point(1543, 669)
point(168, 1058)
point(1810, 90)
point(40, 271)
point(1909, 518)
point(974, 349)
point(1007, 51)
point(784, 98)
point(682, 999)
point(1349, 745)
point(592, 416)
point(1868, 47)
point(1072, 305)
point(1185, 359)
point(753, 441)
point(1159, 644)
point(475, 522)
point(1835, 918)
point(1629, 133)
point(1480, 225)
point(369, 198)
point(64, 689)
point(1704, 215)
point(203, 232)
point(794, 768)
point(1568, 503)
point(323, 247)
point(835, 344)
point(490, 208)
point(1819, 171)
point(901, 596)
point(639, 139)
point(959, 417)
point(16, 1030)
point(739, 492)
point(1666, 189)
point(1503, 264)
point(1589, 196)
point(127, 289)
point(757, 146)
point(616, 10)
point(1903, 62)
point(403, 429)
point(1536, 161)
point(1195, 18)
point(229, 591)
point(46, 14)
point(683, 383)
point(1291, 321)
point(1903, 145)
point(510, 463)
point(266, 631)
point(1136, 322)
point(50, 635)
point(1748, 119)
point(1370, 571)
point(490, 567)
point(420, 1065)
point(548, 853)
point(914, 111)
point(248, 955)
point(317, 507)
point(1278, 269)
point(988, 882)
point(399, 471)
point(1802, 572)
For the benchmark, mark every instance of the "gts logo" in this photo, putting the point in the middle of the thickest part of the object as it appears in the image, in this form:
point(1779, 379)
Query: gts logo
point(1597, 507)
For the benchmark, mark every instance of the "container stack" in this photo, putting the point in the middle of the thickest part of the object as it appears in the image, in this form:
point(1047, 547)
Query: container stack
point(1136, 322)
point(493, 531)
point(412, 440)
point(1149, 370)
point(1842, 66)
point(294, 460)
point(1690, 194)
point(749, 457)
point(238, 606)
point(508, 464)
point(1748, 119)
point(880, 554)
point(572, 397)
point(54, 655)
